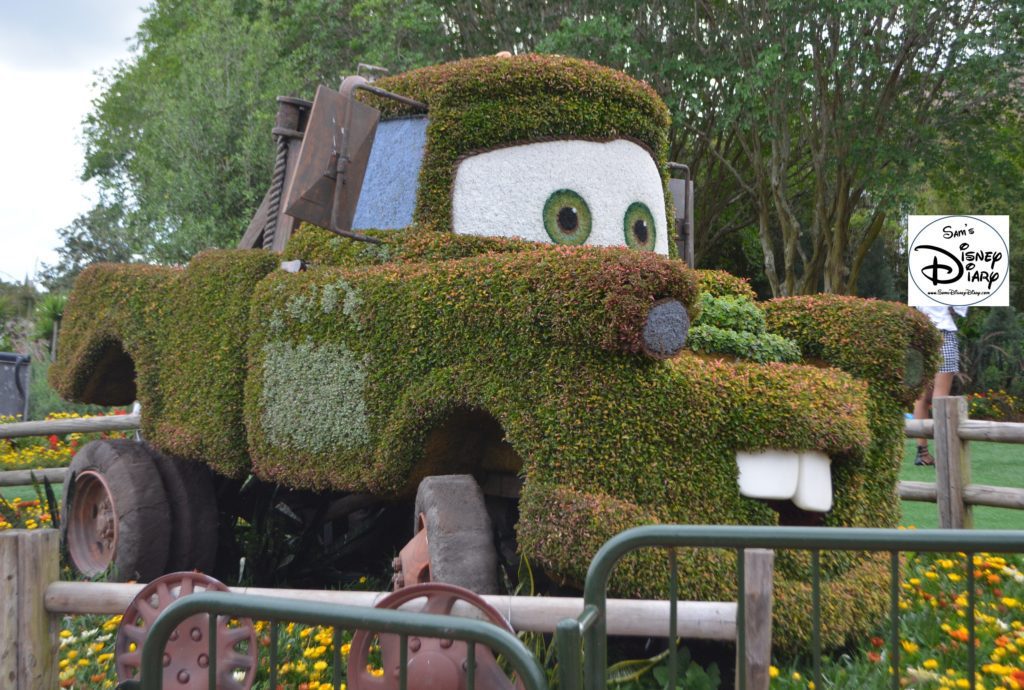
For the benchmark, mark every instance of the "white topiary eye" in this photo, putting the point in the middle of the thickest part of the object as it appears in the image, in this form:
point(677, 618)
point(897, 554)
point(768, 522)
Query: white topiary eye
point(571, 192)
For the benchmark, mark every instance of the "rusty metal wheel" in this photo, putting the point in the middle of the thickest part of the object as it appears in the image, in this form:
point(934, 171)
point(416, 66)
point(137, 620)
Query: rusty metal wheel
point(92, 532)
point(432, 663)
point(186, 656)
point(116, 517)
point(454, 540)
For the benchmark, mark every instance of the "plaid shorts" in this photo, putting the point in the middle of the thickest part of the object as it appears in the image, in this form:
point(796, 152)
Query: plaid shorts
point(950, 352)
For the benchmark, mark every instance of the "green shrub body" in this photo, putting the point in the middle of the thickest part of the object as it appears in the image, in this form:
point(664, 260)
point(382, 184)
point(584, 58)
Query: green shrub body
point(435, 353)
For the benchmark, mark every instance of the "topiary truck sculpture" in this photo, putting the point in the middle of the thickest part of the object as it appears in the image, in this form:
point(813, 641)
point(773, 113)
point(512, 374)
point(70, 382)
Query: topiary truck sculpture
point(508, 352)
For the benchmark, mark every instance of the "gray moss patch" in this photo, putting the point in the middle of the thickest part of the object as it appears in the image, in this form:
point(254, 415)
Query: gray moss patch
point(312, 397)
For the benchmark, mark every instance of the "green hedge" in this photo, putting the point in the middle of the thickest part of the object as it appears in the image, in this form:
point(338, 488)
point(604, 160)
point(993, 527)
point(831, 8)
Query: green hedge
point(349, 376)
point(113, 309)
point(484, 103)
point(203, 364)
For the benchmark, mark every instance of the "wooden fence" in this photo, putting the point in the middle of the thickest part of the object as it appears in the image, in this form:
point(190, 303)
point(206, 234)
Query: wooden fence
point(952, 430)
point(33, 600)
point(84, 425)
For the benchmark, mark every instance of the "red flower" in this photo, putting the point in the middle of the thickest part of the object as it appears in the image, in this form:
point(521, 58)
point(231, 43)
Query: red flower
point(874, 657)
point(54, 440)
point(877, 642)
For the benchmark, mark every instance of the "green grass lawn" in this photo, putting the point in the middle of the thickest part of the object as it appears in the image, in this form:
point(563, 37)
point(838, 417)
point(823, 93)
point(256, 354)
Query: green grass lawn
point(995, 464)
point(26, 493)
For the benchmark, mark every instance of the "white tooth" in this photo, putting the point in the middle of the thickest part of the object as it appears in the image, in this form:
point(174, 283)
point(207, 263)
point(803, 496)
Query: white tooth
point(814, 491)
point(770, 474)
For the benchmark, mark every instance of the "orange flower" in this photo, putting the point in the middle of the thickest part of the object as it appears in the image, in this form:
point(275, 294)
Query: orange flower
point(959, 635)
point(874, 657)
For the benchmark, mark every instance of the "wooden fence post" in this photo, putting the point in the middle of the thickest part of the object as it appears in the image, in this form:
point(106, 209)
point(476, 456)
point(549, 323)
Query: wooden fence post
point(952, 463)
point(758, 567)
point(29, 561)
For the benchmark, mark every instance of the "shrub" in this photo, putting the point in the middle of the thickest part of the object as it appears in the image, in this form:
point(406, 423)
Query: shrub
point(997, 406)
point(757, 347)
point(731, 313)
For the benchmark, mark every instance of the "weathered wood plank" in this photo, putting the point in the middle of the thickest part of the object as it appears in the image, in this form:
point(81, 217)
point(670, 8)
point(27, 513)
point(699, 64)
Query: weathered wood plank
point(952, 462)
point(997, 432)
point(994, 496)
point(919, 428)
point(758, 568)
point(29, 561)
point(918, 491)
point(28, 477)
point(121, 422)
point(697, 619)
point(9, 582)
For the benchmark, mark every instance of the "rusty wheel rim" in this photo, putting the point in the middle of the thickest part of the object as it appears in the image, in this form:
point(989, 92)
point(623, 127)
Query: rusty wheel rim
point(92, 527)
point(186, 660)
point(431, 662)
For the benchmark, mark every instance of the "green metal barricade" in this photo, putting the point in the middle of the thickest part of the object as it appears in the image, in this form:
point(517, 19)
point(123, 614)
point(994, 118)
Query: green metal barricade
point(402, 623)
point(590, 627)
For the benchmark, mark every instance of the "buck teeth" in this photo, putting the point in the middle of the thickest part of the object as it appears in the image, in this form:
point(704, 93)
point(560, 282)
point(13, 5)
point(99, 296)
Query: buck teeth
point(803, 477)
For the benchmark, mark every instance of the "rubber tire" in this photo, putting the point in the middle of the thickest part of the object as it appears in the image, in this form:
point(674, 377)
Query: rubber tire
point(143, 516)
point(193, 513)
point(460, 537)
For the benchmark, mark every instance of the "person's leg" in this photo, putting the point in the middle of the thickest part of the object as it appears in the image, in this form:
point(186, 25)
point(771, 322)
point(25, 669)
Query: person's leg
point(943, 385)
point(921, 411)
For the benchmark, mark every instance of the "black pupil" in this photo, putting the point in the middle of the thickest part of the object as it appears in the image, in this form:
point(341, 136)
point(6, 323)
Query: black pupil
point(567, 219)
point(640, 231)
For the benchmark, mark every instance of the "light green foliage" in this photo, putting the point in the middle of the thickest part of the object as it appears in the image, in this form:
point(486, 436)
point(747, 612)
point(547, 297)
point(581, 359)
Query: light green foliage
point(49, 309)
point(351, 301)
point(757, 347)
point(732, 313)
point(735, 325)
point(312, 396)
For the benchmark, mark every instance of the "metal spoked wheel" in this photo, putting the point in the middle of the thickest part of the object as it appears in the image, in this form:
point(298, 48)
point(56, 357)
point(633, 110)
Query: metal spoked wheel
point(432, 663)
point(186, 658)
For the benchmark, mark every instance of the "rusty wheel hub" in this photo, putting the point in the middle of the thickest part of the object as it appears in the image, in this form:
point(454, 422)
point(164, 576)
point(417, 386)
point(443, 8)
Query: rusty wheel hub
point(432, 663)
point(92, 524)
point(186, 656)
point(412, 565)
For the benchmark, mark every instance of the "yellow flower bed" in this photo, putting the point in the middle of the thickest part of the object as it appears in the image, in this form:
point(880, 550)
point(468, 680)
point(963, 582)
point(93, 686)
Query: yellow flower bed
point(37, 453)
point(305, 655)
point(934, 632)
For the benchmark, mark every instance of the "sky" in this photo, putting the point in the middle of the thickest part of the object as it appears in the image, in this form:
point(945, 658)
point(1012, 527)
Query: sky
point(50, 54)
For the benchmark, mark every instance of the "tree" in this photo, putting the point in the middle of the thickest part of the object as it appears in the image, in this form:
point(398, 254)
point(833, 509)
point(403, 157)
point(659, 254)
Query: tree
point(807, 123)
point(99, 234)
point(840, 109)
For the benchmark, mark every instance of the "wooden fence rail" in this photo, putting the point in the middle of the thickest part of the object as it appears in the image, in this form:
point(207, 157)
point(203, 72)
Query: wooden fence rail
point(952, 490)
point(33, 600)
point(78, 425)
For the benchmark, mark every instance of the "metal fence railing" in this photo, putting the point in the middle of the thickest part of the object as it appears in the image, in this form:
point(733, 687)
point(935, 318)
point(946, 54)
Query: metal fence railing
point(402, 623)
point(590, 627)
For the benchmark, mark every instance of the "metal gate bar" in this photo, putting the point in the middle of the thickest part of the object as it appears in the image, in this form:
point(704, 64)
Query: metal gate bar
point(590, 627)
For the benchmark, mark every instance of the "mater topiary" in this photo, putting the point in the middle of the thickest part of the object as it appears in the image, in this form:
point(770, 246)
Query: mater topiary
point(436, 353)
point(484, 103)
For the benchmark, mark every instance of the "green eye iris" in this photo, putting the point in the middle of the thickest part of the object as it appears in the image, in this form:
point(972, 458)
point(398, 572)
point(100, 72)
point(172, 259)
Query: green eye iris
point(567, 217)
point(638, 226)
